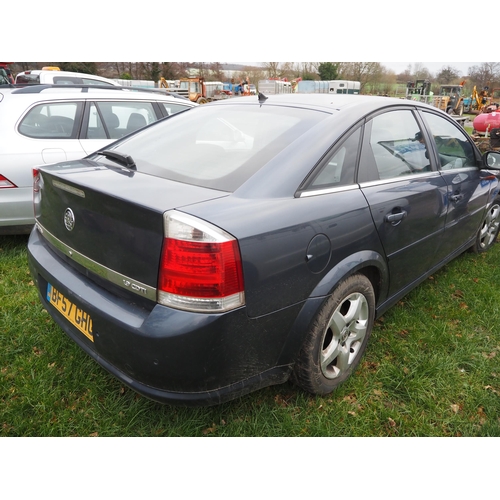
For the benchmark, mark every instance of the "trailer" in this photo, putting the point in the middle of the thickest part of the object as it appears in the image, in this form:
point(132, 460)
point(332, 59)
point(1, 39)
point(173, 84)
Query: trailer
point(328, 87)
point(269, 87)
point(344, 87)
point(141, 84)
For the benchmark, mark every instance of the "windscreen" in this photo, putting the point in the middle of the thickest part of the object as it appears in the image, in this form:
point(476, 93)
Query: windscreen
point(218, 147)
point(28, 78)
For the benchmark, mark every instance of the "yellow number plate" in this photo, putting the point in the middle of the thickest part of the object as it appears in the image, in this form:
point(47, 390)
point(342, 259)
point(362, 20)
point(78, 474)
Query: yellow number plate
point(73, 314)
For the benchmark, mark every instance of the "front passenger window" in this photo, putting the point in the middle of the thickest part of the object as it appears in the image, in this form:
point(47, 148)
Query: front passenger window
point(453, 147)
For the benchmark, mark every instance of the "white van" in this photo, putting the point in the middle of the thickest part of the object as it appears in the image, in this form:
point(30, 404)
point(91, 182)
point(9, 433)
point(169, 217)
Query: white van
point(42, 76)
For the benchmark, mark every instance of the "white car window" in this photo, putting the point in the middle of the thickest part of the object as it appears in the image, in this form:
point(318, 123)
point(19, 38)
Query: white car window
point(172, 108)
point(114, 119)
point(50, 121)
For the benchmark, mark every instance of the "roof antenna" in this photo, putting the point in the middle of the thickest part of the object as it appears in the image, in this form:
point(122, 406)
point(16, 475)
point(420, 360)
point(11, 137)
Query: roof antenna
point(262, 98)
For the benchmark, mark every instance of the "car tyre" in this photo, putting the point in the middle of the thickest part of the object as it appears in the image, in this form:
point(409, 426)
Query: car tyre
point(488, 231)
point(337, 337)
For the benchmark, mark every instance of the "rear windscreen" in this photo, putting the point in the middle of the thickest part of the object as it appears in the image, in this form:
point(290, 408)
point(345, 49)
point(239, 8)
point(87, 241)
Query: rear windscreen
point(218, 147)
point(28, 79)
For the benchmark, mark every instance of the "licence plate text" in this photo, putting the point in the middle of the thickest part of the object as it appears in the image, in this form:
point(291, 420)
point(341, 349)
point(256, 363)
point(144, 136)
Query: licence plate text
point(76, 316)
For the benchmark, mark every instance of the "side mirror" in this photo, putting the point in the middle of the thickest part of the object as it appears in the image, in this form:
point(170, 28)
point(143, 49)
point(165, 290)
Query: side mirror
point(491, 160)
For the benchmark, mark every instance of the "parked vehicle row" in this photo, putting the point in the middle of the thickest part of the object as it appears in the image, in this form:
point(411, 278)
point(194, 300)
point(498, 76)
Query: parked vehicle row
point(254, 240)
point(41, 124)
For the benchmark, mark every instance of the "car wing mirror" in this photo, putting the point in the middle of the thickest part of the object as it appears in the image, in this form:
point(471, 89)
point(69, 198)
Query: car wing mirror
point(491, 160)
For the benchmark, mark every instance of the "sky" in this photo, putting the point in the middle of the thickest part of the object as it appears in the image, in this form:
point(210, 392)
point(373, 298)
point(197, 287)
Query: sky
point(271, 32)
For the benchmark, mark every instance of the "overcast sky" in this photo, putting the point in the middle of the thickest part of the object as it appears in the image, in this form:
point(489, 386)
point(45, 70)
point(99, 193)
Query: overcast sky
point(274, 31)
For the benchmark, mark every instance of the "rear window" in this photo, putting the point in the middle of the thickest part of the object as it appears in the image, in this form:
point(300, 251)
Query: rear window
point(73, 80)
point(28, 78)
point(218, 147)
point(54, 120)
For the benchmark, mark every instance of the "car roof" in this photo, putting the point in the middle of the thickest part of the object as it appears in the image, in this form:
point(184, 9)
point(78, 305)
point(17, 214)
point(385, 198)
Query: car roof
point(327, 101)
point(51, 91)
point(354, 105)
point(66, 73)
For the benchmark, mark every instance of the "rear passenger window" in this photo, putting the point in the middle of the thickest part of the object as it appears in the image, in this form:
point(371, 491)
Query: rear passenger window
point(340, 167)
point(114, 119)
point(395, 146)
point(51, 121)
point(172, 108)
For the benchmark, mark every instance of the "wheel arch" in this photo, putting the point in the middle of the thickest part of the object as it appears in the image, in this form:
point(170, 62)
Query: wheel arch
point(369, 263)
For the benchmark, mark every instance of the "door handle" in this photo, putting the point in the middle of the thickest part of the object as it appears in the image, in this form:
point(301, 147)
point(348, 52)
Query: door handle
point(395, 219)
point(456, 197)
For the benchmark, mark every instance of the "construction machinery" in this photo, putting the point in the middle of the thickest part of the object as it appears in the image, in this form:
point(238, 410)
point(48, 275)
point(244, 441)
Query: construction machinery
point(450, 99)
point(200, 91)
point(5, 73)
point(476, 103)
point(419, 90)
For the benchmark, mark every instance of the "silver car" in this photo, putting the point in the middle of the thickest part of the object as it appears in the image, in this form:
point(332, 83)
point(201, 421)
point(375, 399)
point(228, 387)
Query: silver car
point(43, 124)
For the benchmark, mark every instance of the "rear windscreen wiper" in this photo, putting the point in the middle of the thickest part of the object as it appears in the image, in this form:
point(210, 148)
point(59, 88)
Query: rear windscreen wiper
point(125, 160)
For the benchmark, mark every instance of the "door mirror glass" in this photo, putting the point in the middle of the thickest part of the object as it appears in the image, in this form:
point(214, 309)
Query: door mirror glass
point(492, 160)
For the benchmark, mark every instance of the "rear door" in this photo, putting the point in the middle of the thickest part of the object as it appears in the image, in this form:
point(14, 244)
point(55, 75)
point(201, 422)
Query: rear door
point(406, 195)
point(52, 129)
point(106, 121)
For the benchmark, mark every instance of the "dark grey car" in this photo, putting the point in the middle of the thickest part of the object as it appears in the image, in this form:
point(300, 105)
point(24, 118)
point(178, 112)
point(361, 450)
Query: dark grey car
point(255, 239)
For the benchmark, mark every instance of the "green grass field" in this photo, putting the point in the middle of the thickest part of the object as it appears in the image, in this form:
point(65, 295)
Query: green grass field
point(432, 368)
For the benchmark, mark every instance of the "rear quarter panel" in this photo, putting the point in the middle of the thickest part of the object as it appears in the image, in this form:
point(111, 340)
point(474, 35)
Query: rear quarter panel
point(280, 268)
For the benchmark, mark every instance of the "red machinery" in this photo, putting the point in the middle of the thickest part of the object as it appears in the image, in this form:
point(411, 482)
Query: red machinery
point(488, 120)
point(5, 67)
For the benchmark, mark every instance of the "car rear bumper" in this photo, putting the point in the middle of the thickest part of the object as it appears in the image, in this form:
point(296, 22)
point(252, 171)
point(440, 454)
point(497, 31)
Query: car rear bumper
point(167, 355)
point(16, 211)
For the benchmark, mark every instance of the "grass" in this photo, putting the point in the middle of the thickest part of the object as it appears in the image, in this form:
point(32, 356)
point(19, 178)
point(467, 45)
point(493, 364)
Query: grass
point(432, 368)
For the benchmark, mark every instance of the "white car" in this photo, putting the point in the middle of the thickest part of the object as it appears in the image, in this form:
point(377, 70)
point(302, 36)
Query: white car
point(42, 124)
point(41, 76)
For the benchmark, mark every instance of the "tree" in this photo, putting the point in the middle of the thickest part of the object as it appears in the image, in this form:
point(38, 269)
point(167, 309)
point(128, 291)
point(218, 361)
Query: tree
point(485, 75)
point(328, 71)
point(253, 74)
point(79, 67)
point(362, 72)
point(272, 69)
point(174, 70)
point(155, 71)
point(420, 72)
point(216, 72)
point(447, 75)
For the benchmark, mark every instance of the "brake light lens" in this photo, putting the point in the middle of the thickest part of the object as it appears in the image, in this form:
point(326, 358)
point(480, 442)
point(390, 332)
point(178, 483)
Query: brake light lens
point(200, 268)
point(5, 183)
point(36, 180)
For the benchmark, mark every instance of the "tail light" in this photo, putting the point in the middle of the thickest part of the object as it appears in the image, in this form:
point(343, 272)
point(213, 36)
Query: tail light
point(36, 180)
point(200, 268)
point(37, 193)
point(5, 183)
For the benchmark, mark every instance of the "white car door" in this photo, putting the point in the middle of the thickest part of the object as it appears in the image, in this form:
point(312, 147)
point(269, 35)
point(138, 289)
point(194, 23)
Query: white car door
point(107, 121)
